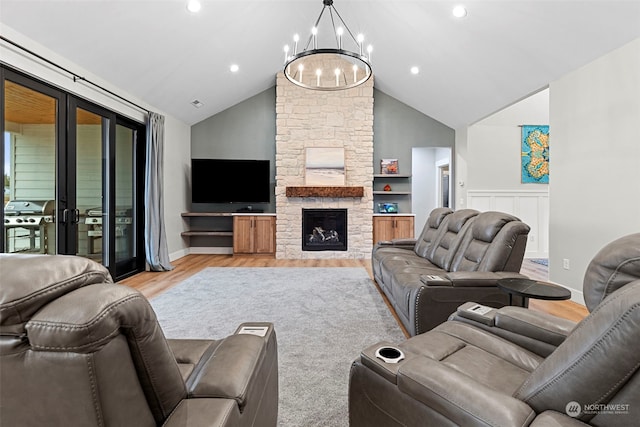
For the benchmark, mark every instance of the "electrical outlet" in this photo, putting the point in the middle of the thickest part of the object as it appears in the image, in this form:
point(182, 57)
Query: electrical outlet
point(532, 238)
point(565, 264)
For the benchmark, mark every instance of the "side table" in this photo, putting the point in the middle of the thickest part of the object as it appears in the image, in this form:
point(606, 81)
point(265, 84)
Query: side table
point(528, 288)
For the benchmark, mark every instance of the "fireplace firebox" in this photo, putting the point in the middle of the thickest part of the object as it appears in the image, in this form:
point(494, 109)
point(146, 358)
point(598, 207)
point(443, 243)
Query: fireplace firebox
point(324, 229)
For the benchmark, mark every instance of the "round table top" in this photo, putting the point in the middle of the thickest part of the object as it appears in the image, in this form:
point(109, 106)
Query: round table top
point(529, 288)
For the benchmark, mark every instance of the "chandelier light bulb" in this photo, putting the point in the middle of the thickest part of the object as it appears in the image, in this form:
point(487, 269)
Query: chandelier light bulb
point(369, 50)
point(300, 70)
point(296, 38)
point(360, 40)
point(415, 70)
point(355, 73)
point(234, 68)
point(286, 53)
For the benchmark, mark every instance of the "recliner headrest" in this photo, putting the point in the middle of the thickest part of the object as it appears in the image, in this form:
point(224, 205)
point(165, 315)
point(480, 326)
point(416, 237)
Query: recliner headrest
point(459, 218)
point(29, 282)
point(614, 266)
point(437, 216)
point(488, 224)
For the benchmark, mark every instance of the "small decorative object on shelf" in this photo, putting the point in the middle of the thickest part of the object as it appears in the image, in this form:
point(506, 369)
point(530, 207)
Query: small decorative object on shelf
point(387, 187)
point(389, 166)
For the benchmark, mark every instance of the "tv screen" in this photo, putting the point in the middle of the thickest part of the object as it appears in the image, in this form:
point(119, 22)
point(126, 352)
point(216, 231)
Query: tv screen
point(230, 181)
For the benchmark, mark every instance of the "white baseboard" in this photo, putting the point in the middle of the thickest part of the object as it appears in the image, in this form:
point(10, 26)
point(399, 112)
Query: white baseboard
point(178, 254)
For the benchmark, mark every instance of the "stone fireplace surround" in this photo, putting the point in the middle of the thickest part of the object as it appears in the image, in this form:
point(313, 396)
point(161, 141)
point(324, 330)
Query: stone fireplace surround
point(307, 118)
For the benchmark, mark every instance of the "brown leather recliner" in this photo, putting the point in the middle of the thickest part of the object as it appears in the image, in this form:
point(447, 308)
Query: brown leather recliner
point(458, 257)
point(79, 350)
point(513, 366)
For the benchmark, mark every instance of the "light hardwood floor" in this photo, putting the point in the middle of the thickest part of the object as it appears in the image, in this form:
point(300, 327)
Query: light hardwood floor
point(154, 283)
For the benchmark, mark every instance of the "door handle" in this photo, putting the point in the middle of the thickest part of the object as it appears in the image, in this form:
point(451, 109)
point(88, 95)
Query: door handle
point(76, 216)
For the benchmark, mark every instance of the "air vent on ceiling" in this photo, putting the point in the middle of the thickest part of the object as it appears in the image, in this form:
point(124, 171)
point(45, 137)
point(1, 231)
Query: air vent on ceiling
point(196, 103)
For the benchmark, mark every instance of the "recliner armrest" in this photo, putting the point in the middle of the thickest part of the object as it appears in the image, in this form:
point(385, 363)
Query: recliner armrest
point(536, 331)
point(468, 278)
point(458, 397)
point(234, 367)
point(534, 324)
point(398, 243)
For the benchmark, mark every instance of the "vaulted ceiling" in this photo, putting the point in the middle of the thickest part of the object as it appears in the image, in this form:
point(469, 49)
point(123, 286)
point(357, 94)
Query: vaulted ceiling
point(163, 55)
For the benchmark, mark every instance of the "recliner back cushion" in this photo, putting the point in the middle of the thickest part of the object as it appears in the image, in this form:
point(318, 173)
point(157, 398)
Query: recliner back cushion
point(489, 243)
point(615, 265)
point(88, 319)
point(430, 230)
point(595, 363)
point(449, 237)
point(31, 281)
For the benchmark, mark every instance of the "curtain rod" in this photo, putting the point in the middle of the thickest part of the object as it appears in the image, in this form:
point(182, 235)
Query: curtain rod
point(76, 77)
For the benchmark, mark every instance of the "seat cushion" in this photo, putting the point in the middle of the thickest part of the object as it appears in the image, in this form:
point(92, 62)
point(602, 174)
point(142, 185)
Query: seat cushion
point(486, 358)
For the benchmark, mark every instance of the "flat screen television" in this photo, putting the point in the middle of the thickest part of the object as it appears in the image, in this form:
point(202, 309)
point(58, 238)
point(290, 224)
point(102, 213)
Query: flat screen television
point(230, 181)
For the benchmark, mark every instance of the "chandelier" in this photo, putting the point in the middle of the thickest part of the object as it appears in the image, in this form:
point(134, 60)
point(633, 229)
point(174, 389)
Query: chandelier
point(329, 68)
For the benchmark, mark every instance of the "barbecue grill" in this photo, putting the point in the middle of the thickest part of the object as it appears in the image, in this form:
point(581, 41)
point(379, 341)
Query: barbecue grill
point(28, 225)
point(93, 219)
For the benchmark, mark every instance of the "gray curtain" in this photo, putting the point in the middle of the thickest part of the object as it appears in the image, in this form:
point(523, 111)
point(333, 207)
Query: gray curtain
point(155, 240)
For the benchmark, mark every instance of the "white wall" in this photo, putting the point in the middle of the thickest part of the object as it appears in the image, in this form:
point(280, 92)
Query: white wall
point(595, 161)
point(493, 173)
point(177, 134)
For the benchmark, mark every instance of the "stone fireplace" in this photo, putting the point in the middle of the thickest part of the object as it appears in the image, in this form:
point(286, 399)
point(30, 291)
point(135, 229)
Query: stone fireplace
point(324, 119)
point(324, 230)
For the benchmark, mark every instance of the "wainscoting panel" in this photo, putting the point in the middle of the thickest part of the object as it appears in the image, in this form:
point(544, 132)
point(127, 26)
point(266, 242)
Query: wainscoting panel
point(532, 207)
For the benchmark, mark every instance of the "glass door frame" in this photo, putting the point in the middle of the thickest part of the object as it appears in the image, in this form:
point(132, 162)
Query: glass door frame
point(60, 132)
point(66, 214)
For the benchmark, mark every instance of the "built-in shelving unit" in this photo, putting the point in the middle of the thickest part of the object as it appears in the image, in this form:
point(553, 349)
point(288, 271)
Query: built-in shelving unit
point(400, 190)
point(219, 233)
point(218, 228)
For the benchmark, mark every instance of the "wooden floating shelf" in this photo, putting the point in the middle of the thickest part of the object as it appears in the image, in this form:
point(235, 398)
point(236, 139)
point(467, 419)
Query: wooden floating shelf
point(336, 192)
point(391, 193)
point(390, 175)
point(203, 214)
point(207, 233)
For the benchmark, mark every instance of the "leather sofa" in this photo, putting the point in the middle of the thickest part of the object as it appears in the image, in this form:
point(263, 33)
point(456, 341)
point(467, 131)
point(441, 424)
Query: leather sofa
point(78, 350)
point(465, 372)
point(458, 257)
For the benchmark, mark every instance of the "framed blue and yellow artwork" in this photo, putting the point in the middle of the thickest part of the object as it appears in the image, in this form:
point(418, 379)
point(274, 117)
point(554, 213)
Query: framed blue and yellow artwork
point(535, 154)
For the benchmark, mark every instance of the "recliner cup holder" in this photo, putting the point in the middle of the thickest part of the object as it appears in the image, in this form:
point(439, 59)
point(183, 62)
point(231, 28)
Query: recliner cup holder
point(389, 354)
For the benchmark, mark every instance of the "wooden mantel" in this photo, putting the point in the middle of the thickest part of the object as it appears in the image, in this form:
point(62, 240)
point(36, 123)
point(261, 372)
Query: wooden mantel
point(336, 192)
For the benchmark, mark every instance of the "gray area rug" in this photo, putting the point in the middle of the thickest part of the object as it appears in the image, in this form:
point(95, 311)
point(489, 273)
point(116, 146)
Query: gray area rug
point(323, 318)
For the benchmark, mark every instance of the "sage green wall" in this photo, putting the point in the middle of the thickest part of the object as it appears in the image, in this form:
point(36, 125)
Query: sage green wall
point(247, 131)
point(397, 128)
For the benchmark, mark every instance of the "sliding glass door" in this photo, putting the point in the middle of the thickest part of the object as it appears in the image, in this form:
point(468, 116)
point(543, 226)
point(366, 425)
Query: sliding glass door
point(73, 174)
point(31, 133)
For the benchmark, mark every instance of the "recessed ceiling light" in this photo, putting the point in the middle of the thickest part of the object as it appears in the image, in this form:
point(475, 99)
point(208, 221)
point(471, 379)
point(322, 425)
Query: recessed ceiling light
point(459, 11)
point(234, 68)
point(194, 6)
point(415, 70)
point(196, 103)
